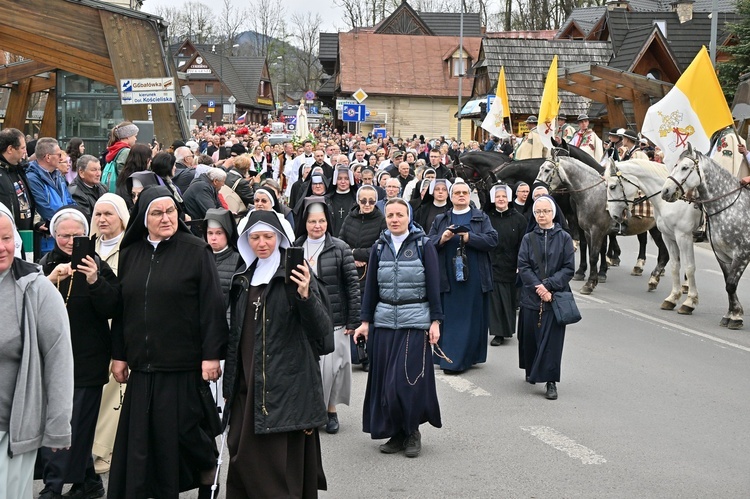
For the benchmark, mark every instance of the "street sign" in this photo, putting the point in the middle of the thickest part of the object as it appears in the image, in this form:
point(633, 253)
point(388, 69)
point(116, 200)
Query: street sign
point(490, 100)
point(340, 103)
point(211, 109)
point(309, 95)
point(147, 91)
point(232, 99)
point(211, 103)
point(354, 112)
point(360, 95)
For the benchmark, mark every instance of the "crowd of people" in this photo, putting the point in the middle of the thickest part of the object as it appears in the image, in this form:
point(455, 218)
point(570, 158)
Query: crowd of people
point(167, 305)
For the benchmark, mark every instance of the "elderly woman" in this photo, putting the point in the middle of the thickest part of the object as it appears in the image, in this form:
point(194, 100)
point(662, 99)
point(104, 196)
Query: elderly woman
point(402, 299)
point(91, 293)
point(464, 237)
point(36, 387)
point(272, 382)
point(110, 220)
point(331, 260)
point(546, 262)
point(167, 343)
point(511, 227)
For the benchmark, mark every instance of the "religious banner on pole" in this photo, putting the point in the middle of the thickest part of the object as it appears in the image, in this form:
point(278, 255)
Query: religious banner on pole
point(493, 122)
point(549, 106)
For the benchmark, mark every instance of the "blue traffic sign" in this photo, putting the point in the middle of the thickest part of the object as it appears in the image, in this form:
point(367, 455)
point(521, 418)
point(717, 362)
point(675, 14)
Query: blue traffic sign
point(353, 112)
point(211, 103)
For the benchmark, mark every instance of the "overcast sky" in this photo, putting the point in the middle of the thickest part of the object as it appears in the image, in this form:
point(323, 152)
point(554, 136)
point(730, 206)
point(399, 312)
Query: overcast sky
point(326, 8)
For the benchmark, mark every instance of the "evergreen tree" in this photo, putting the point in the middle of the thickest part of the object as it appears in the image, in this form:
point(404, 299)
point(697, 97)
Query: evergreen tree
point(730, 71)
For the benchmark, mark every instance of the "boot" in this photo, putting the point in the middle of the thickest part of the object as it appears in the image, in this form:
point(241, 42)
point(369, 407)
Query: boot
point(394, 444)
point(413, 444)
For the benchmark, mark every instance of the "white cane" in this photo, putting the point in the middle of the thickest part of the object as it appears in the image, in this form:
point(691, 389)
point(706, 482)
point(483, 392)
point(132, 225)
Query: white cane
point(218, 462)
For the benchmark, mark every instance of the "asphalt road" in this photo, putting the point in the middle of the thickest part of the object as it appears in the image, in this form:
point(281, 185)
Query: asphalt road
point(652, 405)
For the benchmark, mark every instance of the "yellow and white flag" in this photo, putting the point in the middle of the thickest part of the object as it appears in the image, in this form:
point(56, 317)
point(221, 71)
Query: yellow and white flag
point(493, 122)
point(691, 112)
point(549, 107)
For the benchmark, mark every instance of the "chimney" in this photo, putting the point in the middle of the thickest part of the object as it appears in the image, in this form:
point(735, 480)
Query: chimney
point(684, 10)
point(617, 4)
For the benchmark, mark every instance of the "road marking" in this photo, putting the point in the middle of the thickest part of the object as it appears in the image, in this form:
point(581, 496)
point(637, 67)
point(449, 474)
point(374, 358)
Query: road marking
point(462, 385)
point(555, 439)
point(712, 271)
point(686, 330)
point(589, 297)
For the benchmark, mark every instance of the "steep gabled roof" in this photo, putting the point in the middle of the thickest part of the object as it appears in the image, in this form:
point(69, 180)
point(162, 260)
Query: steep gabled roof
point(645, 48)
point(685, 39)
point(449, 23)
point(585, 19)
point(527, 62)
point(401, 64)
point(403, 21)
point(241, 75)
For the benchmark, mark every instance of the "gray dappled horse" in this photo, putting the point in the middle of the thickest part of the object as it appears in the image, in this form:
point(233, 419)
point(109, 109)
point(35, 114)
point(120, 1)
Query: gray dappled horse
point(626, 180)
point(726, 205)
point(587, 189)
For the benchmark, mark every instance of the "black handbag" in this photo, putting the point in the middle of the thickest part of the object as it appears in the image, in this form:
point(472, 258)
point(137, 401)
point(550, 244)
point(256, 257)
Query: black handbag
point(563, 303)
point(211, 422)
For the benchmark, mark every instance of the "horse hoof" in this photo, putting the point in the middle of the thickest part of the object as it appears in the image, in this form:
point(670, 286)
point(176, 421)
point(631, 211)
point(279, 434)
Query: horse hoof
point(724, 322)
point(613, 262)
point(735, 324)
point(668, 305)
point(661, 274)
point(637, 271)
point(652, 286)
point(685, 310)
point(684, 290)
point(579, 277)
point(602, 278)
point(586, 290)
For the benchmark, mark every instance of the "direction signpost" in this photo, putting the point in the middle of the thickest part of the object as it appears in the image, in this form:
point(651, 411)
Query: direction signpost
point(354, 112)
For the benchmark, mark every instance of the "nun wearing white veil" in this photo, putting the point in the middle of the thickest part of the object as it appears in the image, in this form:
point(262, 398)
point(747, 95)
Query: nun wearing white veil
point(272, 380)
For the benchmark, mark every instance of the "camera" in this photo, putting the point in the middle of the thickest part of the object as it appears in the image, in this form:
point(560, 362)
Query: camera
point(361, 349)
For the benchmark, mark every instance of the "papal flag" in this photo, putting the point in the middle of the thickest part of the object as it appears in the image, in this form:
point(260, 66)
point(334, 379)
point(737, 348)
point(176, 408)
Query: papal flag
point(493, 122)
point(691, 112)
point(549, 106)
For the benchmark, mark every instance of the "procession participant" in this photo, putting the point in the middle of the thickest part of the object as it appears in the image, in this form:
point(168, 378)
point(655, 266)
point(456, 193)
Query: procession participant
point(531, 146)
point(392, 190)
point(139, 160)
point(464, 237)
point(273, 441)
point(612, 146)
point(293, 171)
point(511, 227)
point(434, 203)
point(565, 130)
point(586, 139)
point(522, 193)
point(728, 149)
point(14, 186)
point(341, 198)
point(402, 301)
point(121, 139)
point(331, 260)
point(629, 148)
point(36, 386)
point(109, 222)
point(540, 337)
point(91, 293)
point(86, 188)
point(441, 171)
point(166, 358)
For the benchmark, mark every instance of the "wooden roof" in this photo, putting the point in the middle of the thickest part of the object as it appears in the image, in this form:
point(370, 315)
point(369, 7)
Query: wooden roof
point(241, 75)
point(527, 62)
point(401, 64)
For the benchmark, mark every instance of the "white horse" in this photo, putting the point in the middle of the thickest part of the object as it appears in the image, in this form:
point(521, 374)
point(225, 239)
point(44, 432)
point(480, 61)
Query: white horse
point(676, 221)
point(726, 205)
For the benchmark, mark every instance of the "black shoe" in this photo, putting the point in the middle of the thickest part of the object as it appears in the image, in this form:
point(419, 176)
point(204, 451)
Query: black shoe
point(413, 444)
point(451, 372)
point(497, 340)
point(48, 494)
point(394, 444)
point(204, 491)
point(332, 426)
point(551, 391)
point(366, 367)
point(87, 490)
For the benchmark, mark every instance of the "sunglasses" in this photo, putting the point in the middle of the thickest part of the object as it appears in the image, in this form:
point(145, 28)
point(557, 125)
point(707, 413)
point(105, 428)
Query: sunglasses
point(371, 202)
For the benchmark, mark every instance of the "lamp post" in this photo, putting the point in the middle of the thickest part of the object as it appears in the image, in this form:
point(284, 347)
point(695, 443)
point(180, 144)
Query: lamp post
point(221, 79)
point(278, 95)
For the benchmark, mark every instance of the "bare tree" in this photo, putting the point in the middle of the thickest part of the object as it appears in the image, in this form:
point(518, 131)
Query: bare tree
point(199, 20)
point(363, 13)
point(177, 28)
point(306, 37)
point(267, 22)
point(233, 20)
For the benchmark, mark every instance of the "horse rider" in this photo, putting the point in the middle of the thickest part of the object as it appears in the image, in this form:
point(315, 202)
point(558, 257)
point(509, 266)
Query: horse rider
point(586, 139)
point(725, 150)
point(565, 131)
point(612, 146)
point(531, 146)
point(629, 147)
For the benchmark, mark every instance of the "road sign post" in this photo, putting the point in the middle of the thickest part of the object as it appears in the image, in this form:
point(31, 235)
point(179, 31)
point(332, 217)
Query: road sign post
point(354, 112)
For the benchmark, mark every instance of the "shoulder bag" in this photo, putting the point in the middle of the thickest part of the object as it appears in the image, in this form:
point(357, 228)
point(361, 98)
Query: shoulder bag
point(563, 302)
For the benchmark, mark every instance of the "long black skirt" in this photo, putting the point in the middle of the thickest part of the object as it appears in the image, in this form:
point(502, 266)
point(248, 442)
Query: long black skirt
point(401, 392)
point(161, 447)
point(540, 348)
point(502, 313)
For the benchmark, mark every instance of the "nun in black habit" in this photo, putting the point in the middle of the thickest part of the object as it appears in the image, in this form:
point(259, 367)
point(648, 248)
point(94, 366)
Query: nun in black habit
point(167, 341)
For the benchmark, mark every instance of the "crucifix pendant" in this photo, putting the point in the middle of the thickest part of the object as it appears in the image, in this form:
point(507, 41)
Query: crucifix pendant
point(257, 307)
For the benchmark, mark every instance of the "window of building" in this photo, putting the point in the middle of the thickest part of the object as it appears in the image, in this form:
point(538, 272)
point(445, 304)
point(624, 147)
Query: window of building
point(209, 88)
point(458, 64)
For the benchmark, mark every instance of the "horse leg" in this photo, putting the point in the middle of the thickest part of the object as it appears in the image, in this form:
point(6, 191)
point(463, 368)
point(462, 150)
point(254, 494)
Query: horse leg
point(580, 274)
point(661, 260)
point(670, 302)
point(687, 255)
point(594, 239)
point(613, 251)
point(638, 268)
point(732, 277)
point(603, 264)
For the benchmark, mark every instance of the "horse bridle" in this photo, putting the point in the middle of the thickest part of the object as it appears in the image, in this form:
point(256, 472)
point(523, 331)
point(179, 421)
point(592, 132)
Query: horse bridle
point(636, 201)
point(555, 168)
point(680, 185)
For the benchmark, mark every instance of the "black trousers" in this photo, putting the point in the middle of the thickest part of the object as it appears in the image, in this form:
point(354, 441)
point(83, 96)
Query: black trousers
point(74, 465)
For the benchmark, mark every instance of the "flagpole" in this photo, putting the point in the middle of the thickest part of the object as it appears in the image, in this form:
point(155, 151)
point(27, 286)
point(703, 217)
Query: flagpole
point(461, 69)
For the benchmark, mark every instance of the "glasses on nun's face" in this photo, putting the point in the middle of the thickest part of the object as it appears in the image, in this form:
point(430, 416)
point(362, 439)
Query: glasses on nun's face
point(545, 213)
point(369, 201)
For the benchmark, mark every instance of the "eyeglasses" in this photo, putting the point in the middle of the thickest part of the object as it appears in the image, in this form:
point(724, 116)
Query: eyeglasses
point(160, 214)
point(542, 212)
point(364, 202)
point(67, 237)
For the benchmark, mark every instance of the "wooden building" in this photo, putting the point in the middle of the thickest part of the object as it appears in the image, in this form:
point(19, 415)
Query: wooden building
point(409, 65)
point(101, 42)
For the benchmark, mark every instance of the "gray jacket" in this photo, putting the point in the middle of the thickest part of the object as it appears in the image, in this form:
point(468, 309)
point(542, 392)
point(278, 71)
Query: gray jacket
point(43, 399)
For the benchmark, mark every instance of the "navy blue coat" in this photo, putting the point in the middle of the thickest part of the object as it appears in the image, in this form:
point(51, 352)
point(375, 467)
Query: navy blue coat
point(556, 248)
point(483, 238)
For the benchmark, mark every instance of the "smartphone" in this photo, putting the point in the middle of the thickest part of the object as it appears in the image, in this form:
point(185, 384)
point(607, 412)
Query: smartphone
point(294, 256)
point(459, 229)
point(82, 247)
